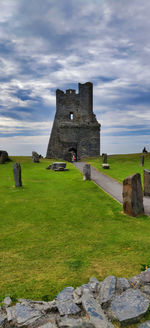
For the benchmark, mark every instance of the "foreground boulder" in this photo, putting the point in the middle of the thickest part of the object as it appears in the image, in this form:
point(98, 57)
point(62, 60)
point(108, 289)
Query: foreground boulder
point(130, 306)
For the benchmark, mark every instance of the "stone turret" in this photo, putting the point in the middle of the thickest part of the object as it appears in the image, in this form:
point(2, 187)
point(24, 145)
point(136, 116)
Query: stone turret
point(75, 128)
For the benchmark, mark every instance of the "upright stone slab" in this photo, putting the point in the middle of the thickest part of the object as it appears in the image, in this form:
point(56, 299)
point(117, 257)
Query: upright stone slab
point(3, 156)
point(17, 175)
point(35, 157)
point(104, 158)
point(133, 195)
point(146, 182)
point(142, 160)
point(87, 172)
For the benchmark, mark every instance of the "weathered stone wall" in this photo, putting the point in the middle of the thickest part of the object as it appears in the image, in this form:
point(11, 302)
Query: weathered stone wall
point(94, 305)
point(75, 125)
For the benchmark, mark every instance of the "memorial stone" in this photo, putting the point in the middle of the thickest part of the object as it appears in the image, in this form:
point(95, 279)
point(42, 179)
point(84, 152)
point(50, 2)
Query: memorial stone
point(3, 156)
point(142, 160)
point(133, 195)
point(146, 182)
point(35, 157)
point(17, 175)
point(87, 172)
point(104, 158)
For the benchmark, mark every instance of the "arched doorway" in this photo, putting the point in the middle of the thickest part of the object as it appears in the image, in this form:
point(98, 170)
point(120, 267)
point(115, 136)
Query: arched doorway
point(73, 153)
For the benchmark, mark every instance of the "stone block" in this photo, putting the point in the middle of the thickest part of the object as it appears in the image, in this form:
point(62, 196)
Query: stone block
point(133, 195)
point(87, 172)
point(94, 311)
point(130, 306)
point(107, 291)
point(146, 324)
point(146, 182)
point(58, 166)
point(105, 166)
point(17, 175)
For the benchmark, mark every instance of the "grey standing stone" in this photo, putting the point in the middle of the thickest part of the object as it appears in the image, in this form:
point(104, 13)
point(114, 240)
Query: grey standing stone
point(35, 157)
point(133, 195)
point(94, 285)
point(146, 182)
point(104, 158)
point(146, 324)
point(130, 306)
point(107, 291)
point(87, 172)
point(142, 160)
point(95, 312)
point(3, 156)
point(17, 175)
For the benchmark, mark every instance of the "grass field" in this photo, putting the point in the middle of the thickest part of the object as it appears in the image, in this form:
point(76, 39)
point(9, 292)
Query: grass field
point(121, 166)
point(58, 231)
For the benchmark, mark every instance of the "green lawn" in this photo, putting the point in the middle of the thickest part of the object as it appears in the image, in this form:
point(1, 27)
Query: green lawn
point(121, 166)
point(58, 230)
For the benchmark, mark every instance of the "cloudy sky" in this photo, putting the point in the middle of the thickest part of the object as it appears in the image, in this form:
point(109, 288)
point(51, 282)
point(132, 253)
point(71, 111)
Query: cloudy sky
point(50, 44)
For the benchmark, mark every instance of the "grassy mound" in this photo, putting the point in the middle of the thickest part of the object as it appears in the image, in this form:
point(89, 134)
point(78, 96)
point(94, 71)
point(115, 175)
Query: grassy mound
point(58, 230)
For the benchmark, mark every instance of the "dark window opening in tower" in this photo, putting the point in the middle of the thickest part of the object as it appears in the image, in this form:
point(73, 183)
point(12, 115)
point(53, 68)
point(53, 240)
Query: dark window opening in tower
point(71, 116)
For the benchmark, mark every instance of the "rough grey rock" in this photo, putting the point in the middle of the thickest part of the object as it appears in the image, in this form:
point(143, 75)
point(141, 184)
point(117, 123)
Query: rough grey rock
point(65, 322)
point(44, 307)
point(135, 282)
point(107, 291)
point(65, 295)
point(17, 175)
point(68, 307)
point(104, 158)
point(133, 195)
point(48, 325)
point(94, 286)
point(23, 315)
point(94, 311)
point(146, 290)
point(146, 324)
point(87, 172)
point(7, 301)
point(145, 276)
point(122, 285)
point(130, 306)
point(35, 157)
point(2, 318)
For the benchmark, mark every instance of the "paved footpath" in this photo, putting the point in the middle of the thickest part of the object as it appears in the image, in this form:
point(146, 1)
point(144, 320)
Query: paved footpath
point(110, 185)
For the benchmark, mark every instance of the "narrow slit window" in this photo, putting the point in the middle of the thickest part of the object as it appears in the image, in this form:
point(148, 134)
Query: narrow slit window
point(71, 116)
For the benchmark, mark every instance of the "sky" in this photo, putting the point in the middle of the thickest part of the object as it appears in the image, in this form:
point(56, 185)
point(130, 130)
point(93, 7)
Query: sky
point(50, 44)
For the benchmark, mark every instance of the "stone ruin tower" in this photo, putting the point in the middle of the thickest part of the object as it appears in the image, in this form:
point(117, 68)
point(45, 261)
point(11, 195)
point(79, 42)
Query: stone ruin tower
point(75, 128)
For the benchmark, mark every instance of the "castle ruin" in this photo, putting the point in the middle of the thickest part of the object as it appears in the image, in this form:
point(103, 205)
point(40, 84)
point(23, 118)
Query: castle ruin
point(75, 128)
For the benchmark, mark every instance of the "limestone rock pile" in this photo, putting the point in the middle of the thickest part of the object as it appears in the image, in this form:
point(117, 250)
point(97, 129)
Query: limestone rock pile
point(93, 305)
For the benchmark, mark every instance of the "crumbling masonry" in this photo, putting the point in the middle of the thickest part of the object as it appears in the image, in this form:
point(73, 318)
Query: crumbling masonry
point(75, 128)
